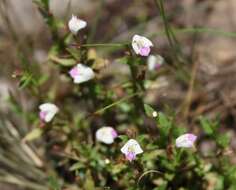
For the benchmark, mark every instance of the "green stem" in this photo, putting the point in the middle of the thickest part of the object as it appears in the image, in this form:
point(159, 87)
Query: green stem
point(116, 103)
point(211, 31)
point(178, 156)
point(137, 85)
point(160, 6)
point(173, 42)
point(106, 45)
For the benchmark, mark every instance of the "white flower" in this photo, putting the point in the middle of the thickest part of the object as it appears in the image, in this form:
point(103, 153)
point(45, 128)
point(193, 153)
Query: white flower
point(81, 73)
point(75, 24)
point(131, 149)
point(186, 141)
point(141, 45)
point(47, 111)
point(154, 62)
point(106, 135)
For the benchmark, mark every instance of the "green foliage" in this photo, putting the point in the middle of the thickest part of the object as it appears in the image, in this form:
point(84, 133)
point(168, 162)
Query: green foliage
point(86, 107)
point(211, 130)
point(53, 183)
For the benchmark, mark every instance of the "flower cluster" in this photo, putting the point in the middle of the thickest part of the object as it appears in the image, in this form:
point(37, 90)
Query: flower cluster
point(82, 73)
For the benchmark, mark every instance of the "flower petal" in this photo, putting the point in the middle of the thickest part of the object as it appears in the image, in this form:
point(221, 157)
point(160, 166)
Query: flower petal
point(131, 144)
point(75, 24)
point(81, 73)
point(154, 62)
point(47, 111)
point(144, 51)
point(186, 141)
point(146, 42)
point(48, 107)
point(106, 135)
point(141, 45)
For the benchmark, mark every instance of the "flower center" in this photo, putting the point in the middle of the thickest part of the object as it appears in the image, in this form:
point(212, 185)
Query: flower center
point(42, 115)
point(130, 156)
point(74, 72)
point(144, 51)
point(114, 133)
point(191, 138)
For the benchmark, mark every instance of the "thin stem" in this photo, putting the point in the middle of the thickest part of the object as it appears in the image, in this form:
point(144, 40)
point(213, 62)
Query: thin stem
point(189, 95)
point(116, 103)
point(160, 6)
point(105, 45)
point(211, 31)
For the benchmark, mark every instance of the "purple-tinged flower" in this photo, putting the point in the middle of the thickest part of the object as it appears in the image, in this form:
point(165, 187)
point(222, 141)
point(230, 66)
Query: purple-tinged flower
point(186, 141)
point(154, 62)
point(141, 45)
point(75, 24)
point(81, 73)
point(47, 111)
point(131, 149)
point(106, 135)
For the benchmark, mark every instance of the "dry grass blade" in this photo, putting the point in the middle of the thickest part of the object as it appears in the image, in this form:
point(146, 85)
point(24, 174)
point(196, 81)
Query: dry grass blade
point(18, 161)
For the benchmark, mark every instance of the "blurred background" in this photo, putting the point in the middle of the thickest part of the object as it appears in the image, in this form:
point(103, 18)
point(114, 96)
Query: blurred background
point(206, 32)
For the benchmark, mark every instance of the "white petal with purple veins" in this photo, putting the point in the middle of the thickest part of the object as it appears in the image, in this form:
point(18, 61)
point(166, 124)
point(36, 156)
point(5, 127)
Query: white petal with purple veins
point(141, 45)
point(81, 73)
point(75, 24)
point(106, 135)
point(47, 111)
point(131, 149)
point(154, 62)
point(186, 141)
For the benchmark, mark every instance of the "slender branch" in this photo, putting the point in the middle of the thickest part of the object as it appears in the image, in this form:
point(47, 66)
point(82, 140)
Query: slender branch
point(160, 6)
point(148, 172)
point(105, 45)
point(116, 103)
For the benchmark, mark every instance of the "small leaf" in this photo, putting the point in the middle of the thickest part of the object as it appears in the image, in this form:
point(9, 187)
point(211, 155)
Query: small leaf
point(89, 183)
point(76, 166)
point(116, 169)
point(74, 53)
point(53, 183)
point(123, 60)
point(223, 140)
point(149, 111)
point(123, 137)
point(62, 61)
point(34, 134)
point(164, 124)
point(206, 125)
point(26, 80)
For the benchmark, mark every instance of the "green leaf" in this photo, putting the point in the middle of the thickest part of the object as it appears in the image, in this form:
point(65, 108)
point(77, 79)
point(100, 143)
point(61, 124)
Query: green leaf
point(123, 138)
point(164, 124)
point(34, 134)
point(116, 169)
point(43, 79)
point(149, 110)
point(123, 60)
point(223, 140)
point(26, 80)
point(89, 183)
point(62, 61)
point(74, 53)
point(53, 183)
point(206, 125)
point(76, 166)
